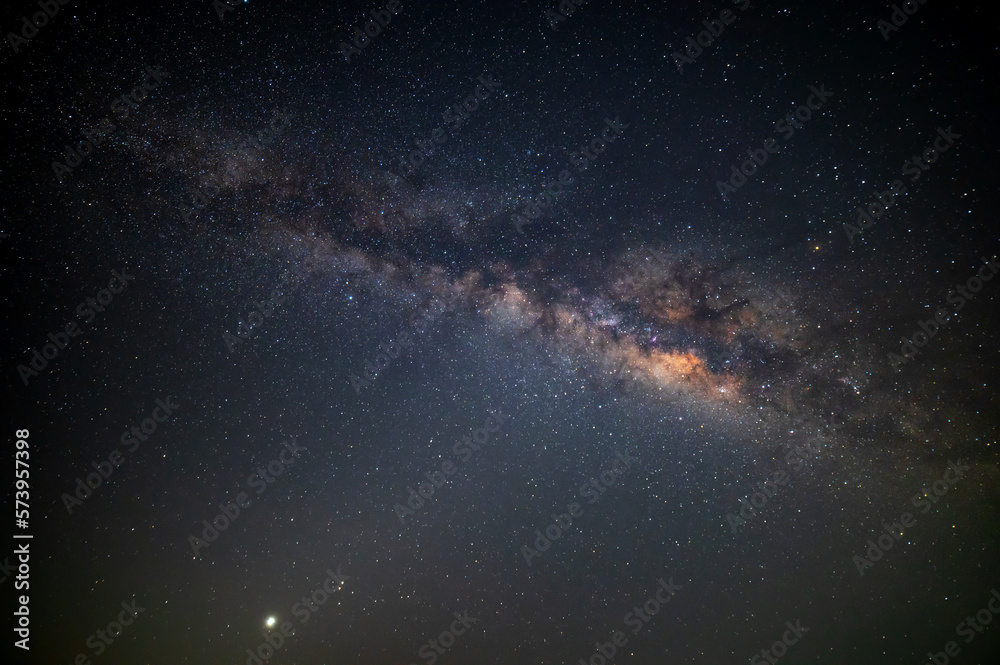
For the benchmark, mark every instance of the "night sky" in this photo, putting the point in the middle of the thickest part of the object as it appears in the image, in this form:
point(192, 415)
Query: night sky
point(526, 332)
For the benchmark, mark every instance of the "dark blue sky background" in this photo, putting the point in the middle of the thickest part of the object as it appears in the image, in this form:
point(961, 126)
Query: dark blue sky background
point(641, 311)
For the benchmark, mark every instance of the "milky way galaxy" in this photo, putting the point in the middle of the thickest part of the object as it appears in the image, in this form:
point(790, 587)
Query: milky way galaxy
point(430, 336)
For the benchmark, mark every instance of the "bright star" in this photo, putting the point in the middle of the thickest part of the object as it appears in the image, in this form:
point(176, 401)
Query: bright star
point(271, 621)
